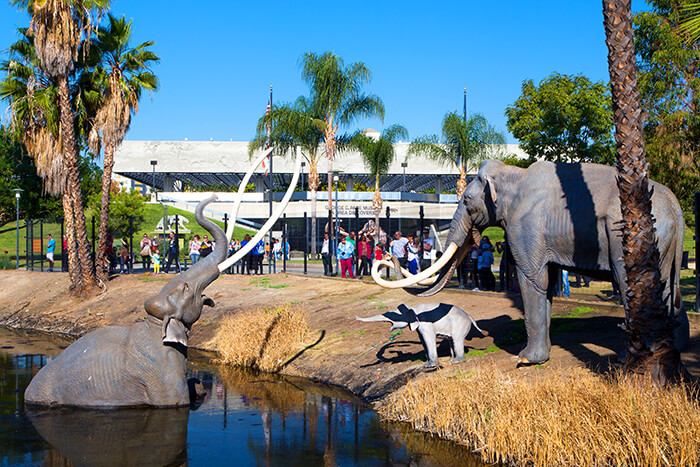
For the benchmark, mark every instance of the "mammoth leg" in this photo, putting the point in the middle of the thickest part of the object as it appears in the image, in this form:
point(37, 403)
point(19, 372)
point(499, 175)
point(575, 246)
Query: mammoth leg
point(458, 346)
point(538, 311)
point(430, 343)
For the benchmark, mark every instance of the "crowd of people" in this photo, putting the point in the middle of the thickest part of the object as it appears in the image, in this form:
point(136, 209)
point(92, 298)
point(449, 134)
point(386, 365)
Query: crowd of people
point(356, 253)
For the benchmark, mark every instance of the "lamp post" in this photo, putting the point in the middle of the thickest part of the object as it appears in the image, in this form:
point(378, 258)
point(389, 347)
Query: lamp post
point(403, 189)
point(335, 180)
point(17, 195)
point(403, 166)
point(154, 163)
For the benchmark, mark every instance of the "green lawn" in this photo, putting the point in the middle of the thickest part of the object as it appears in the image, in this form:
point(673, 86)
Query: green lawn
point(154, 212)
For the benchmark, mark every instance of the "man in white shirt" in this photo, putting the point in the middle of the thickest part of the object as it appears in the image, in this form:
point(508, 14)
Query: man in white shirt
point(398, 248)
point(326, 256)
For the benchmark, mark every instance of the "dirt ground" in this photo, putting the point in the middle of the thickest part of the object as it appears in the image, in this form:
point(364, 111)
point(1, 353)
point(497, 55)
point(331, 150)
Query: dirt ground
point(362, 357)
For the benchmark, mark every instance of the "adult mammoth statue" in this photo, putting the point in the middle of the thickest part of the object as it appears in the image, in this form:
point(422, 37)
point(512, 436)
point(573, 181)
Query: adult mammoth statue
point(556, 215)
point(145, 363)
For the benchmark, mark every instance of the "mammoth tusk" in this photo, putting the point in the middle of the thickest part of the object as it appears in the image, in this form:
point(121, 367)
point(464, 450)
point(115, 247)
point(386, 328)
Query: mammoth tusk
point(270, 222)
point(391, 262)
point(413, 280)
point(241, 190)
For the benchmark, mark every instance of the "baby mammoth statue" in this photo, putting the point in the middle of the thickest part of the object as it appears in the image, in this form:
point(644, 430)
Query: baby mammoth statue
point(142, 364)
point(432, 320)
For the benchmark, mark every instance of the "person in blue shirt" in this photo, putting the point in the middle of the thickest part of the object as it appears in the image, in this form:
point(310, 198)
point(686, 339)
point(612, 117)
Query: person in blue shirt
point(173, 249)
point(50, 247)
point(486, 277)
point(345, 252)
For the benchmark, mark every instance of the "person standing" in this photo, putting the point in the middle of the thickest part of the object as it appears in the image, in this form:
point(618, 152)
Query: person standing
point(195, 245)
point(124, 258)
point(486, 278)
point(145, 246)
point(173, 250)
point(364, 252)
point(326, 255)
point(64, 254)
point(412, 251)
point(427, 250)
point(206, 248)
point(50, 248)
point(245, 264)
point(155, 256)
point(398, 248)
point(345, 252)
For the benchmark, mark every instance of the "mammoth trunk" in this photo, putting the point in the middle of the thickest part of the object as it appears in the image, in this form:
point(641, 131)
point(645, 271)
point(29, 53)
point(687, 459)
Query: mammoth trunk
point(461, 235)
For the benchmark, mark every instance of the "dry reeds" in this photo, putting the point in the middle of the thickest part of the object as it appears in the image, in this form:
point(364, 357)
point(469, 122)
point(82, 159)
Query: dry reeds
point(267, 392)
point(262, 339)
point(576, 418)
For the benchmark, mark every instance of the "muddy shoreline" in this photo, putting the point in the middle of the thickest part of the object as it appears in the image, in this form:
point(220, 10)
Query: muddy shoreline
point(360, 357)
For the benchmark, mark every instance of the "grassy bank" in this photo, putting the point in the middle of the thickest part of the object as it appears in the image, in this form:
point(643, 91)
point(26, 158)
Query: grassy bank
point(554, 418)
point(153, 215)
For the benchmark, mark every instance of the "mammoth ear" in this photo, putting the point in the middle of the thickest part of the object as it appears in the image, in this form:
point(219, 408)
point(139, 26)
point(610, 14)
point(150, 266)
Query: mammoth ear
point(175, 333)
point(208, 301)
point(492, 189)
point(413, 321)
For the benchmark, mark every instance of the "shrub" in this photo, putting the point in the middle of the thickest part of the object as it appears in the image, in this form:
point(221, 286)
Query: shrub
point(262, 339)
point(551, 418)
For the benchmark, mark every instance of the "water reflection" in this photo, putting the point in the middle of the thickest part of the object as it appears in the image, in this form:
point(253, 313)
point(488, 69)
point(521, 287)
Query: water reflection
point(115, 437)
point(246, 419)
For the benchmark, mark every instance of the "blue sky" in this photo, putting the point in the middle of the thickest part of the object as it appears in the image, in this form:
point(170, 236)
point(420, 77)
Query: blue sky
point(219, 59)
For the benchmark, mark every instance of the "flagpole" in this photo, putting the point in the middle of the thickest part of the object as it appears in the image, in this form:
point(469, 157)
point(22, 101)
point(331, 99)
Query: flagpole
point(269, 260)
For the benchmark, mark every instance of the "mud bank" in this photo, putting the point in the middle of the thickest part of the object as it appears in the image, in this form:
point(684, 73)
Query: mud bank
point(361, 357)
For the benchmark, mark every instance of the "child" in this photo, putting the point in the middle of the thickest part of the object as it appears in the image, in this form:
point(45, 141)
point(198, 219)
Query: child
point(156, 262)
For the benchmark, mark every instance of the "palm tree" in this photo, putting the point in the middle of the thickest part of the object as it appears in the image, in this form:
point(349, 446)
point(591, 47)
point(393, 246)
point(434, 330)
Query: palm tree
point(465, 144)
point(649, 326)
point(378, 154)
point(60, 28)
point(337, 99)
point(120, 76)
point(34, 105)
point(292, 127)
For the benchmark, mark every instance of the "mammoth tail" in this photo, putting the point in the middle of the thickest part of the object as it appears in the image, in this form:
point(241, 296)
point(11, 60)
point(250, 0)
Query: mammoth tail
point(478, 328)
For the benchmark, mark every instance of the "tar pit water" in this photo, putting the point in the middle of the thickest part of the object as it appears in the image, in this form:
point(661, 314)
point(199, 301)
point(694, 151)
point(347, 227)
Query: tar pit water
point(246, 418)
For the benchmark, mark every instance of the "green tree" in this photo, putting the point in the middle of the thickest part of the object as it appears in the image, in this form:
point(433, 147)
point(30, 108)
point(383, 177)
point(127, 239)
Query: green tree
point(669, 85)
point(377, 155)
point(124, 205)
point(564, 119)
point(336, 98)
point(17, 170)
point(648, 324)
point(60, 28)
point(120, 76)
point(464, 144)
point(293, 127)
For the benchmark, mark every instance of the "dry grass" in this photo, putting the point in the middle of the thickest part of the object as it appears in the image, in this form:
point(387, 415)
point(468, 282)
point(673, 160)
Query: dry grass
point(262, 339)
point(553, 418)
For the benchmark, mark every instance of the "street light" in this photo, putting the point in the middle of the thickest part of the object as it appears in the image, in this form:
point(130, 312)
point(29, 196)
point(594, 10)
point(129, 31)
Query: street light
point(403, 190)
point(335, 180)
point(154, 163)
point(17, 195)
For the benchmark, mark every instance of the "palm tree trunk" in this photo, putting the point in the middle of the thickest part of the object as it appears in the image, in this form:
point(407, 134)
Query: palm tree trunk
point(313, 186)
point(74, 273)
point(72, 190)
point(377, 204)
point(462, 182)
point(102, 259)
point(648, 324)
